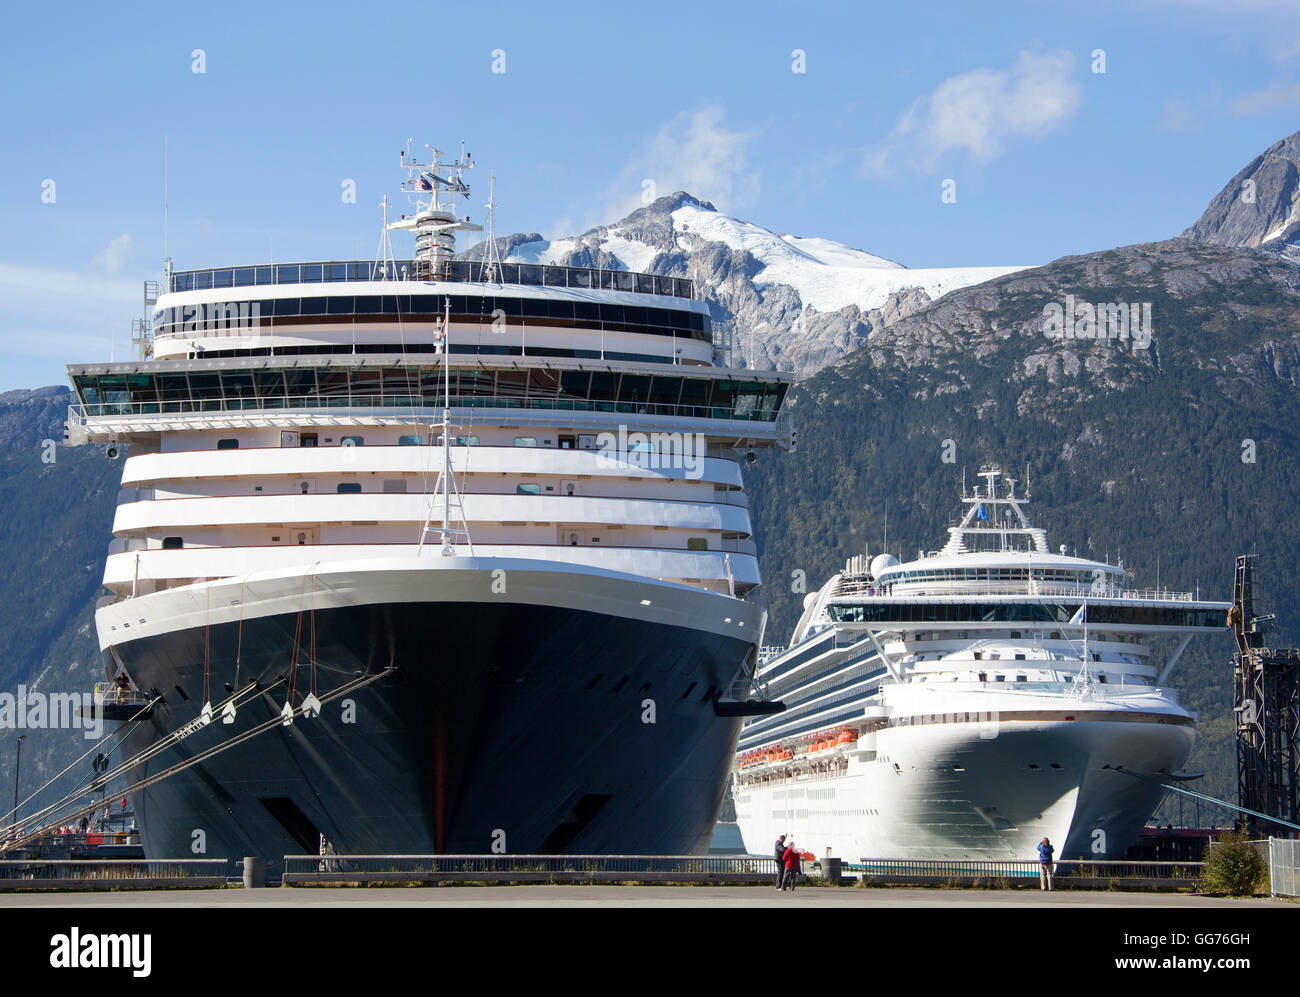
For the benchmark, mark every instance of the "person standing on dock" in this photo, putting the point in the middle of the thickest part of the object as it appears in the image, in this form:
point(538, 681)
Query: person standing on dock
point(779, 853)
point(1045, 851)
point(791, 862)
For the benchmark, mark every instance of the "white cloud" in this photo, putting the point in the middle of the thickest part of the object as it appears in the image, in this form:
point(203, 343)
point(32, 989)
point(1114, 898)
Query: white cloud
point(113, 257)
point(978, 111)
point(1277, 97)
point(56, 317)
point(696, 152)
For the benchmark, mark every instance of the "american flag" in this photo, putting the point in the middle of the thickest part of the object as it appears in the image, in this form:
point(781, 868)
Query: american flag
point(423, 184)
point(442, 336)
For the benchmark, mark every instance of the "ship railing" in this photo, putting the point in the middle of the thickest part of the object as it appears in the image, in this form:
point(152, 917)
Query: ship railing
point(964, 587)
point(81, 840)
point(1067, 872)
point(455, 271)
point(112, 694)
point(315, 869)
point(89, 874)
point(236, 406)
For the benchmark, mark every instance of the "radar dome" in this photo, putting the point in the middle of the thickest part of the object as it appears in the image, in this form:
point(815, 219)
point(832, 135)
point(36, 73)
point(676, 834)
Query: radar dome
point(881, 563)
point(808, 600)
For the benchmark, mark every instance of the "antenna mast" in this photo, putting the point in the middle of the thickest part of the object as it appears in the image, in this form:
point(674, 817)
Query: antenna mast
point(491, 254)
point(384, 262)
point(433, 188)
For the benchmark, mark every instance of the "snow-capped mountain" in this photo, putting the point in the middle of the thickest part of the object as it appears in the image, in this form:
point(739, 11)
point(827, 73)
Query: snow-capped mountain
point(782, 301)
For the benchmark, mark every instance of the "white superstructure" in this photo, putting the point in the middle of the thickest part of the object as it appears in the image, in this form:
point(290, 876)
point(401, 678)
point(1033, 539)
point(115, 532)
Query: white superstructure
point(970, 702)
point(287, 417)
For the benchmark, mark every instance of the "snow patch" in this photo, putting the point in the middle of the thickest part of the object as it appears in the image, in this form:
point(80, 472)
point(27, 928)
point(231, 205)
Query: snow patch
point(634, 255)
point(541, 251)
point(827, 275)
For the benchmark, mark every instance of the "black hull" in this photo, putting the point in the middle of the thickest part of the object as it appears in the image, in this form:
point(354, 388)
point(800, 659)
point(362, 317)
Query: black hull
point(505, 727)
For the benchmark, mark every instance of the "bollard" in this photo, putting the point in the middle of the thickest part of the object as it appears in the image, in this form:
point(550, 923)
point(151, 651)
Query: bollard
point(254, 872)
point(831, 870)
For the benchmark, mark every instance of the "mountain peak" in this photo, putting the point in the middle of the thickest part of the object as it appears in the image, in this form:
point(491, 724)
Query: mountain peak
point(1260, 206)
point(669, 203)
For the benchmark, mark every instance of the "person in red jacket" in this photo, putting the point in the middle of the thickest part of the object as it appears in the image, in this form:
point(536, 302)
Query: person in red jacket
point(791, 861)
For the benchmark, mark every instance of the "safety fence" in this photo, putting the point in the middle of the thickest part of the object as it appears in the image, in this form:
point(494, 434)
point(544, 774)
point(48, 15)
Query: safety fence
point(1284, 867)
point(1067, 873)
point(111, 874)
point(303, 870)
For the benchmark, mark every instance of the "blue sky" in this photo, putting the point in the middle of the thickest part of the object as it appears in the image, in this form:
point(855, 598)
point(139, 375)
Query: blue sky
point(1049, 157)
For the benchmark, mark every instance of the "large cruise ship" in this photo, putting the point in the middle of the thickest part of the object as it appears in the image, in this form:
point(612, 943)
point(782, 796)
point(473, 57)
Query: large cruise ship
point(430, 554)
point(966, 704)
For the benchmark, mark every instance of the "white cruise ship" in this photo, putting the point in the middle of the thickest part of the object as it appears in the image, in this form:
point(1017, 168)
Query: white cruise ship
point(971, 702)
point(546, 608)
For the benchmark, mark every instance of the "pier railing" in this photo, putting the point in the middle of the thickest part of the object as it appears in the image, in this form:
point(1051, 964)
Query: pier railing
point(1070, 873)
point(303, 870)
point(111, 874)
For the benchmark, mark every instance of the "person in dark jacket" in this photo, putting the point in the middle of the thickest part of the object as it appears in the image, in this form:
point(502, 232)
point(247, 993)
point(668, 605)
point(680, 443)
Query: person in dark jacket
point(1045, 851)
point(779, 854)
point(790, 860)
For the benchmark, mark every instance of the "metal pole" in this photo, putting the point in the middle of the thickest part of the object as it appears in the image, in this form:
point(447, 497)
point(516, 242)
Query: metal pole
point(18, 764)
point(446, 429)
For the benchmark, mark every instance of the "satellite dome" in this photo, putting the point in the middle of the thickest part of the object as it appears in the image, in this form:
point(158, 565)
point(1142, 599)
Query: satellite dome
point(881, 563)
point(808, 600)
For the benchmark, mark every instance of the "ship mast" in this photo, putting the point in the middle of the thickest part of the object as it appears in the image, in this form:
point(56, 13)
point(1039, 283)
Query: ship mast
point(433, 188)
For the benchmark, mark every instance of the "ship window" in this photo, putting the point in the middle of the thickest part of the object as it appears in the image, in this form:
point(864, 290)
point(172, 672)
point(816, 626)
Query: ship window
point(230, 444)
point(999, 678)
point(979, 655)
point(352, 441)
point(349, 488)
point(307, 440)
point(697, 543)
point(984, 676)
point(466, 441)
point(528, 489)
point(409, 441)
point(173, 543)
point(394, 486)
point(1022, 678)
point(525, 441)
point(1020, 657)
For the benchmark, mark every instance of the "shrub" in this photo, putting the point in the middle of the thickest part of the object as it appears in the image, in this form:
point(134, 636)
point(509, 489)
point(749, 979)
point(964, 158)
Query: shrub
point(1232, 866)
